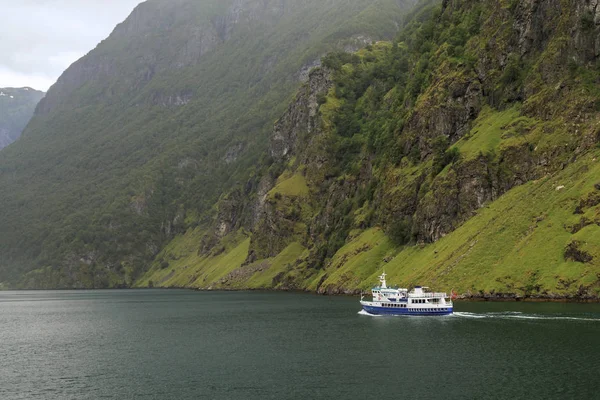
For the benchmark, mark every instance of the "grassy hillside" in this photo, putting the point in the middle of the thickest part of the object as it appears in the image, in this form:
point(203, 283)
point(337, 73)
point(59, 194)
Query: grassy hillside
point(461, 155)
point(534, 240)
point(540, 239)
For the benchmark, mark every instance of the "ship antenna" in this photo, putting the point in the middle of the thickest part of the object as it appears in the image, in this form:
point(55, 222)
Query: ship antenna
point(382, 280)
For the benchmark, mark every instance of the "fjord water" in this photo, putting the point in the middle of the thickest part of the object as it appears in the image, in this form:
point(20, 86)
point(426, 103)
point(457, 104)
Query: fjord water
point(192, 345)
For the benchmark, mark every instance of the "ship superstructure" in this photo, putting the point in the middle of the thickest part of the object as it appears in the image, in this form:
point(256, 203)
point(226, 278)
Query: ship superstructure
point(398, 301)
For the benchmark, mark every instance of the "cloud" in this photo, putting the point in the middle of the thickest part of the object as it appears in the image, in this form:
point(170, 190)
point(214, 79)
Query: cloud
point(41, 38)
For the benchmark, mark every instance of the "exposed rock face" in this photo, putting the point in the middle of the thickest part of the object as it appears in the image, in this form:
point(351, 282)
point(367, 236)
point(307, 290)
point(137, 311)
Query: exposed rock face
point(453, 198)
point(16, 109)
point(233, 153)
point(449, 107)
point(454, 101)
point(452, 116)
point(304, 73)
point(230, 213)
point(260, 204)
point(295, 134)
point(536, 21)
point(533, 23)
point(273, 220)
point(587, 35)
point(172, 100)
point(299, 124)
point(574, 253)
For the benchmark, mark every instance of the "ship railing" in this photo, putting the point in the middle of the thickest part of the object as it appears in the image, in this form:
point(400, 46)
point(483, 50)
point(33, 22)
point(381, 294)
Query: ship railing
point(429, 295)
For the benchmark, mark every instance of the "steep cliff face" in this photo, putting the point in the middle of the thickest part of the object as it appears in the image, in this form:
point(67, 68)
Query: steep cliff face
point(139, 139)
point(525, 62)
point(300, 123)
point(16, 109)
point(464, 154)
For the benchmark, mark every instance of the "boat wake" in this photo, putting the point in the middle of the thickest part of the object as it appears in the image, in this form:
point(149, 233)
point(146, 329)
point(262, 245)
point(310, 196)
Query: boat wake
point(519, 315)
point(363, 312)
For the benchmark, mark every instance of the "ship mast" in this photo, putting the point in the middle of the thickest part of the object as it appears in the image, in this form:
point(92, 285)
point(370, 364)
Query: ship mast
point(382, 280)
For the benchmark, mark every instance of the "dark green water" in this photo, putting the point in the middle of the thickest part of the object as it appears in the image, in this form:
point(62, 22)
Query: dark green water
point(192, 345)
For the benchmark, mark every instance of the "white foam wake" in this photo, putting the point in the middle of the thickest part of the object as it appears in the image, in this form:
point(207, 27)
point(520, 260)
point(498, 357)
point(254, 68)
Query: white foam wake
point(363, 312)
point(519, 315)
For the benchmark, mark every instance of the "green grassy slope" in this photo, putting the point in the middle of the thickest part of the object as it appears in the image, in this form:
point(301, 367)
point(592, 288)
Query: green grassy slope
point(141, 137)
point(448, 159)
point(518, 244)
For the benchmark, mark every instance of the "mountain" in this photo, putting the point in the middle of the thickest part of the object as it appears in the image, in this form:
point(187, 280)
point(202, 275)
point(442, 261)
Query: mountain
point(16, 109)
point(463, 154)
point(139, 139)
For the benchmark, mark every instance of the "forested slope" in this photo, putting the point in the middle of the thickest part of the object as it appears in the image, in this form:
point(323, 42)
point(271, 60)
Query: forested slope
point(463, 154)
point(137, 141)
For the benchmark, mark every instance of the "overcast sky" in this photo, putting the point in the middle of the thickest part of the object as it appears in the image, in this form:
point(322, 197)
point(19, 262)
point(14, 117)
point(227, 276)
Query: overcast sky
point(39, 39)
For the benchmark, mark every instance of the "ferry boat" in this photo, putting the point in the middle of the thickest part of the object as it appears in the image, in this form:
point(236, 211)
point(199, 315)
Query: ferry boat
point(395, 301)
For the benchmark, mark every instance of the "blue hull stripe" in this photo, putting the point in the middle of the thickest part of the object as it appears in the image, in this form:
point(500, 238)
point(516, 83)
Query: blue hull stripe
point(405, 311)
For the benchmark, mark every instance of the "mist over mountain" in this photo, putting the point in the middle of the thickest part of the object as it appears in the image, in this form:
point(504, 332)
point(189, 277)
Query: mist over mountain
point(138, 140)
point(309, 146)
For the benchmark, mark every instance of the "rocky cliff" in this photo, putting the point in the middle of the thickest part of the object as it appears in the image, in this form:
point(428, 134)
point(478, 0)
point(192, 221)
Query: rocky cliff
point(16, 109)
point(462, 154)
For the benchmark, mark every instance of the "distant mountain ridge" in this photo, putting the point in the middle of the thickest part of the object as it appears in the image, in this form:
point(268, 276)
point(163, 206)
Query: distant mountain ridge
point(16, 109)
